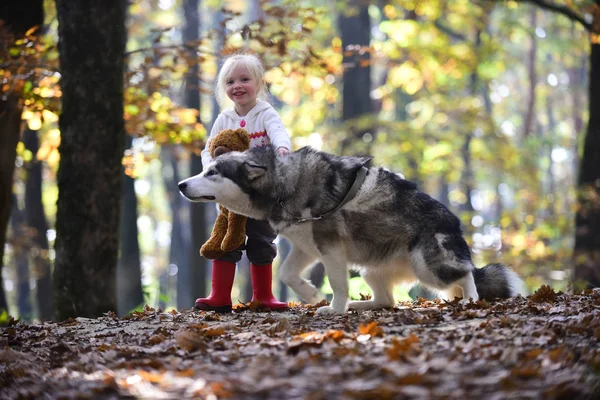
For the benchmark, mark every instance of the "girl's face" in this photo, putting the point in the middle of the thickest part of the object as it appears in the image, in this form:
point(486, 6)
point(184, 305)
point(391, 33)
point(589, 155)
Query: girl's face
point(242, 88)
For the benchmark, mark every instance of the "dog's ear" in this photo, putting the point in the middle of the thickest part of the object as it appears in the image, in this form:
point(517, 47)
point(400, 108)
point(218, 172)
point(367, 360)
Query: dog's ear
point(254, 170)
point(365, 160)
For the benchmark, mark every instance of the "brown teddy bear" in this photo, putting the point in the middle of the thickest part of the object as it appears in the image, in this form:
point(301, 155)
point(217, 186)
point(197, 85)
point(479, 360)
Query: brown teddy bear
point(229, 231)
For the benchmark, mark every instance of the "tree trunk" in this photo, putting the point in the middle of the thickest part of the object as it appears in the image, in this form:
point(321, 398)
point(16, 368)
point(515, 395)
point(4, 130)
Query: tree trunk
point(191, 278)
point(36, 221)
point(129, 273)
point(92, 38)
point(355, 30)
point(356, 97)
point(283, 248)
point(587, 219)
point(243, 273)
point(17, 18)
point(528, 118)
point(10, 121)
point(466, 179)
point(19, 245)
point(179, 249)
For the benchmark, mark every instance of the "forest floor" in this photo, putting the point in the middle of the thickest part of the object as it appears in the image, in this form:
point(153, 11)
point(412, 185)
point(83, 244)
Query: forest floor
point(545, 346)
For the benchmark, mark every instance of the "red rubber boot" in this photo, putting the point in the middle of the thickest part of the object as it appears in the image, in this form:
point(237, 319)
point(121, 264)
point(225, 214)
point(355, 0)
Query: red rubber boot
point(219, 300)
point(261, 287)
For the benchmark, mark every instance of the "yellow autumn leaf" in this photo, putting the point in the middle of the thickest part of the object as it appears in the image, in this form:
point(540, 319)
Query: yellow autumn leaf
point(53, 158)
point(186, 115)
point(27, 115)
point(49, 116)
point(407, 76)
point(35, 122)
point(154, 72)
point(371, 329)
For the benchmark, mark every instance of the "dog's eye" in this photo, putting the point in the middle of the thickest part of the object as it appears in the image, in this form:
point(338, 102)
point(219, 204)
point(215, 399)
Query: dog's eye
point(211, 173)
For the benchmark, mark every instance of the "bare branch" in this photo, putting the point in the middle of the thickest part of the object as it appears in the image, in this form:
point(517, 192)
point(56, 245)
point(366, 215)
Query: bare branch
point(45, 69)
point(448, 31)
point(561, 9)
point(151, 48)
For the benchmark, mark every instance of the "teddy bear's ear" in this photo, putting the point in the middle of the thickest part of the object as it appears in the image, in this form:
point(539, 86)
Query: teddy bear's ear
point(244, 136)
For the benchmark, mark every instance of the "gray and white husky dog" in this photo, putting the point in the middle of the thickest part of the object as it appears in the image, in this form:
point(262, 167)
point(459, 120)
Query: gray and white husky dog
point(381, 225)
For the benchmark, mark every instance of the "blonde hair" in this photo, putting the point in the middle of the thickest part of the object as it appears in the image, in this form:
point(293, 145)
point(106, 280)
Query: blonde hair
point(255, 68)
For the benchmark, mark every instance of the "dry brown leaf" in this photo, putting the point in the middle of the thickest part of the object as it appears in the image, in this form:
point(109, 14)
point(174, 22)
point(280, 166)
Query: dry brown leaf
point(533, 353)
point(526, 371)
point(335, 334)
point(371, 329)
point(212, 332)
point(402, 347)
point(219, 390)
point(545, 294)
point(151, 376)
point(190, 340)
point(411, 379)
point(156, 339)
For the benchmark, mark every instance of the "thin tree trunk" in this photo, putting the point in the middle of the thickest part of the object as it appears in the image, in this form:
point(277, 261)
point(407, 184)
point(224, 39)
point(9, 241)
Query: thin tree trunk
point(355, 32)
point(36, 221)
point(550, 133)
point(243, 270)
point(587, 219)
point(129, 273)
point(317, 274)
point(284, 248)
point(531, 72)
point(10, 121)
point(467, 177)
point(19, 245)
point(576, 80)
point(17, 18)
point(191, 278)
point(178, 251)
point(92, 37)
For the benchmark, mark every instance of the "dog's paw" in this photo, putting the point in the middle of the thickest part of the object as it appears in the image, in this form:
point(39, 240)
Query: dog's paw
point(464, 302)
point(328, 310)
point(362, 305)
point(317, 297)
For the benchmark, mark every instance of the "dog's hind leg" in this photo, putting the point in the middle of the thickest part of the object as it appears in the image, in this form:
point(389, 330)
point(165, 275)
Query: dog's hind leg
point(336, 269)
point(383, 296)
point(290, 274)
point(437, 265)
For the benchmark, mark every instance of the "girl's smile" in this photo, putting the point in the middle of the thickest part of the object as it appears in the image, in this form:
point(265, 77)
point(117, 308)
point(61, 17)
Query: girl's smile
point(242, 88)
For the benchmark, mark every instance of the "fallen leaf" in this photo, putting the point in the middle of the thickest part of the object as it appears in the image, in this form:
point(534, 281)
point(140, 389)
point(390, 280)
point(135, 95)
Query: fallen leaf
point(371, 329)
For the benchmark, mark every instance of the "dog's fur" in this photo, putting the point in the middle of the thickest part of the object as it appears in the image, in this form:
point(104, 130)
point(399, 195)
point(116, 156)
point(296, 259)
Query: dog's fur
point(390, 231)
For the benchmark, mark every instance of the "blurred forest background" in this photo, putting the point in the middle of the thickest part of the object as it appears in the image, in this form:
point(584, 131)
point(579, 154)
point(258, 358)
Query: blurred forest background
point(485, 104)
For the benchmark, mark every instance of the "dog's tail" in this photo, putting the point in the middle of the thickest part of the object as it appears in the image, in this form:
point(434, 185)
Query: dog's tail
point(498, 280)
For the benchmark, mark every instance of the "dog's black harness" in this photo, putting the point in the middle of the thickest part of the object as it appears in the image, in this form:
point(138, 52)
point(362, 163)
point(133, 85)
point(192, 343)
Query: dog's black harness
point(358, 181)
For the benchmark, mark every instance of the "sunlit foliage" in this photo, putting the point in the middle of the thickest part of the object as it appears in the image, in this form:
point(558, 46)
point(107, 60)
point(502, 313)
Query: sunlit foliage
point(450, 94)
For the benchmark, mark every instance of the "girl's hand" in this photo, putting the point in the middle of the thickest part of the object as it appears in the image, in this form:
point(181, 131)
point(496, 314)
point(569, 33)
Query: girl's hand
point(282, 151)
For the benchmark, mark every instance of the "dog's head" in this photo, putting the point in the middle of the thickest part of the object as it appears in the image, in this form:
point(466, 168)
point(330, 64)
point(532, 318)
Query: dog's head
point(242, 182)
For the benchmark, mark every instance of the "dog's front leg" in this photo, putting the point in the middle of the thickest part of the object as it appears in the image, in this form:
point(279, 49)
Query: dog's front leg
point(289, 273)
point(336, 269)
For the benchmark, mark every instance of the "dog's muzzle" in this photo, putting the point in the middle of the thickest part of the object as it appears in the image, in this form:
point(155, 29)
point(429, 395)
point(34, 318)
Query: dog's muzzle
point(182, 188)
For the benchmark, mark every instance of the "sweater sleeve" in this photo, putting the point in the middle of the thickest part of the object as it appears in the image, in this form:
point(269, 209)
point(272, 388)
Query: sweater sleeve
point(216, 128)
point(278, 135)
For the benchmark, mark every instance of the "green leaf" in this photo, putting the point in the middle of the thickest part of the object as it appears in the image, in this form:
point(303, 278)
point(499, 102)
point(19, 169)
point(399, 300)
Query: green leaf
point(132, 109)
point(438, 150)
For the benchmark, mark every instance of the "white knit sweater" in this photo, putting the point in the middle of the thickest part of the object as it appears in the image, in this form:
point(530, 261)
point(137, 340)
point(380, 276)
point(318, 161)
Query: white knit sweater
point(262, 123)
